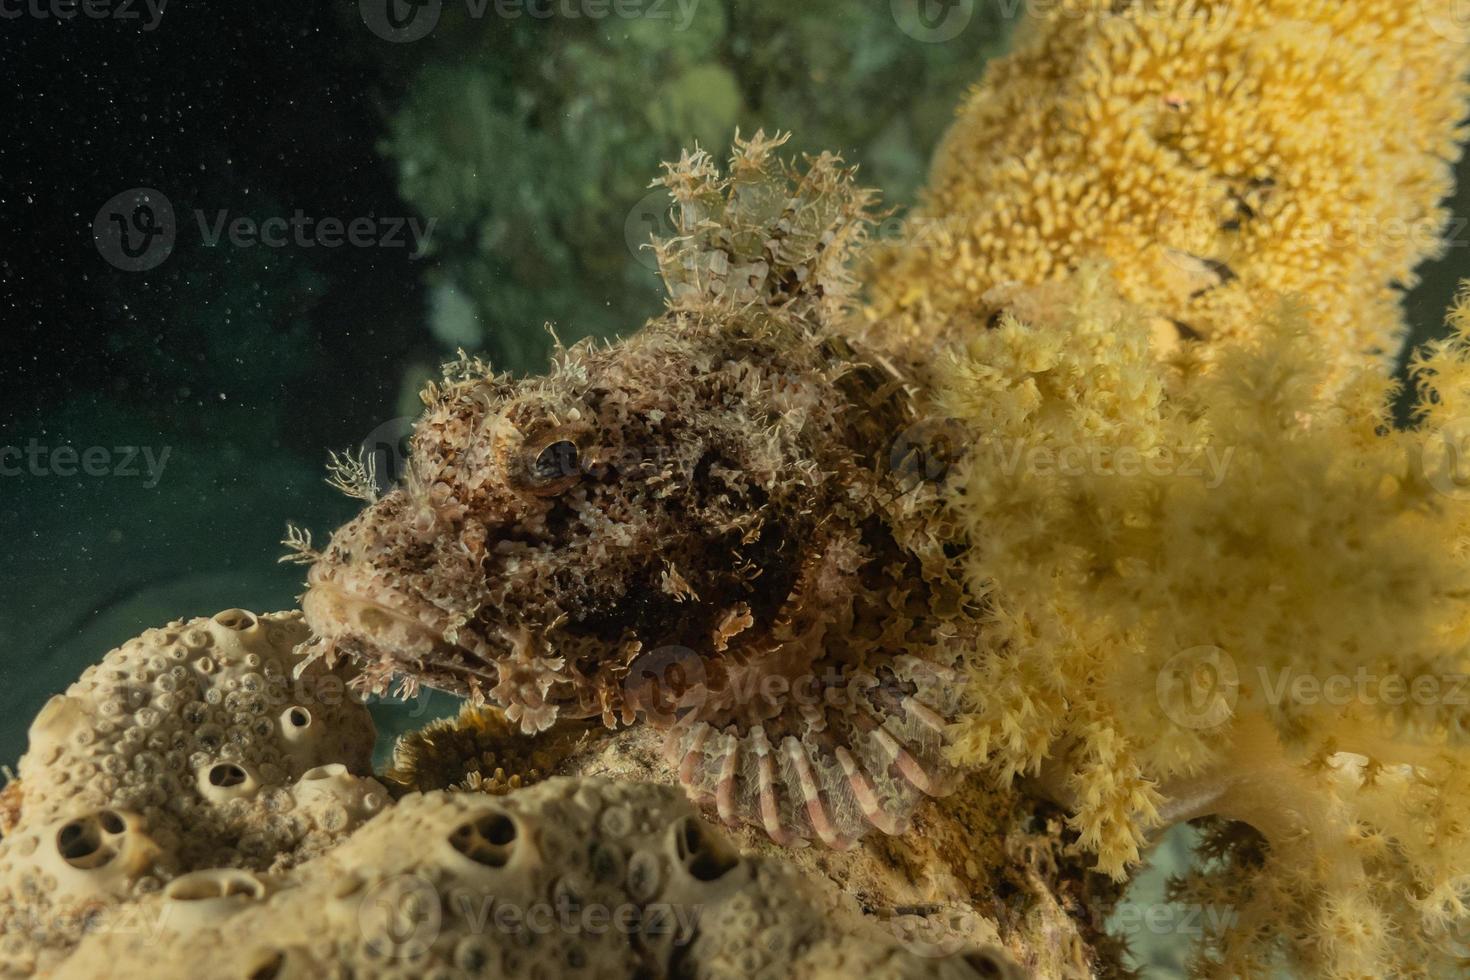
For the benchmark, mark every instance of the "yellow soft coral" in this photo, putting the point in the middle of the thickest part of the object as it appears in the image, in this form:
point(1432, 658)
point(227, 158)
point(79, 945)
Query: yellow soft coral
point(1234, 599)
point(1218, 154)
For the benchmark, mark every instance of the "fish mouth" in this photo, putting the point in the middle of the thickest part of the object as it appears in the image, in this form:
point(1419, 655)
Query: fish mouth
point(393, 635)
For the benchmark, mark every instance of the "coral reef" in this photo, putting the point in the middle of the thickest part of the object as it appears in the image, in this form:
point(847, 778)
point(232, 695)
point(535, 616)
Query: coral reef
point(1218, 154)
point(569, 878)
point(195, 746)
point(731, 552)
point(981, 866)
point(698, 528)
point(1276, 479)
point(1236, 600)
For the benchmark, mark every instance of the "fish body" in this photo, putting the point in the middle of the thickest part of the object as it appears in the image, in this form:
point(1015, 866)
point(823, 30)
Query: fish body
point(714, 527)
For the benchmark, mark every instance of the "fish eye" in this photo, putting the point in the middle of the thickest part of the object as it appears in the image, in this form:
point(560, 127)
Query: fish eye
point(536, 451)
point(559, 459)
point(548, 466)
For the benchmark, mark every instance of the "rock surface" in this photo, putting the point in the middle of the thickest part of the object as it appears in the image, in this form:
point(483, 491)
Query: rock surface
point(569, 878)
point(191, 748)
point(201, 803)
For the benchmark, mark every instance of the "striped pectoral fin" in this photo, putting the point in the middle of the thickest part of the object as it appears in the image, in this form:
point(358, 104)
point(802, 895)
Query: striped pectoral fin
point(837, 780)
point(908, 767)
point(769, 807)
point(693, 756)
point(816, 793)
point(725, 785)
point(799, 790)
point(866, 795)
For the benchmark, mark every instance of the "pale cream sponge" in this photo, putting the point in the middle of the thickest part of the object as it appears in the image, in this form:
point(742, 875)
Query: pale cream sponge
point(191, 748)
point(570, 878)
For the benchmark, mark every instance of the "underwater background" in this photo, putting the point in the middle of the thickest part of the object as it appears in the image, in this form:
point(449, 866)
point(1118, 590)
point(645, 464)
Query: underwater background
point(238, 236)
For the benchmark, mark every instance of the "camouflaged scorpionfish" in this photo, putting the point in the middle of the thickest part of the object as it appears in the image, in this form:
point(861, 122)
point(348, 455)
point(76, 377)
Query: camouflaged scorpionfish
point(700, 528)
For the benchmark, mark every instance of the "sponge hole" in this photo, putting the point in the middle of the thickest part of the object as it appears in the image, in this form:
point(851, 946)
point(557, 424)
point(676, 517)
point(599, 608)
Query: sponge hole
point(238, 620)
point(488, 839)
point(80, 842)
point(705, 856)
point(225, 775)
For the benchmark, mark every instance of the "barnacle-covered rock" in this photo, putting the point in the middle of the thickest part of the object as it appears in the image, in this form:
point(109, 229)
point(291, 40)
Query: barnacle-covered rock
point(569, 878)
point(205, 744)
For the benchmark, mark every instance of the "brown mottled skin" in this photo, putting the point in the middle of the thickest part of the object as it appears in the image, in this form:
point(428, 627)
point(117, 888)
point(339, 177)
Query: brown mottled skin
point(700, 528)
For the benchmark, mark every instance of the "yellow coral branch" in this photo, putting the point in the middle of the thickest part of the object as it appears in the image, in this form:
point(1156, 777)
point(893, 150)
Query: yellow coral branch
point(1217, 153)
